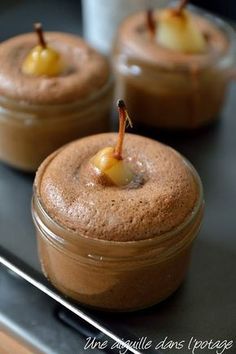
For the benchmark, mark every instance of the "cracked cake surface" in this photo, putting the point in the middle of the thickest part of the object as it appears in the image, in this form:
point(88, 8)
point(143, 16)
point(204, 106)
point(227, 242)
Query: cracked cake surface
point(86, 70)
point(73, 198)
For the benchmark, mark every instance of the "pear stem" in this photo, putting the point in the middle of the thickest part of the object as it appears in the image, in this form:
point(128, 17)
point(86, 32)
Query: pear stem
point(181, 6)
point(151, 22)
point(39, 30)
point(122, 123)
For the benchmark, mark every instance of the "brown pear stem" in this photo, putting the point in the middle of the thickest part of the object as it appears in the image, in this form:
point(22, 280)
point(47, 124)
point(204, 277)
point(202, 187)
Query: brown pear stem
point(151, 24)
point(122, 123)
point(39, 30)
point(181, 6)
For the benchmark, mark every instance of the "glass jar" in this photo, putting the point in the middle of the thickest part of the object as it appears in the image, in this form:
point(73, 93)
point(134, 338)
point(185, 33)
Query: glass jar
point(113, 275)
point(167, 89)
point(102, 17)
point(29, 133)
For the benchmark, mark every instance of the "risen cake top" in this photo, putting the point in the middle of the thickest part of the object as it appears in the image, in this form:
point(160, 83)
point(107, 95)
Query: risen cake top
point(86, 71)
point(135, 43)
point(74, 198)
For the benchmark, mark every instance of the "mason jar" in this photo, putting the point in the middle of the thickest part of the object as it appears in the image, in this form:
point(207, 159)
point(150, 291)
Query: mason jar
point(112, 275)
point(38, 114)
point(101, 19)
point(29, 133)
point(167, 89)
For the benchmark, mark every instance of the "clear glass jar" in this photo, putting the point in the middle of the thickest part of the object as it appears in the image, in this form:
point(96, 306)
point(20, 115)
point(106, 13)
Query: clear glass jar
point(168, 89)
point(29, 133)
point(102, 17)
point(112, 275)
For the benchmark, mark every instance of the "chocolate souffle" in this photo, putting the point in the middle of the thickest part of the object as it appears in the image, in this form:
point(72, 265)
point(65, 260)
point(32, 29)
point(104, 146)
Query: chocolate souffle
point(40, 112)
point(117, 248)
point(85, 70)
point(173, 88)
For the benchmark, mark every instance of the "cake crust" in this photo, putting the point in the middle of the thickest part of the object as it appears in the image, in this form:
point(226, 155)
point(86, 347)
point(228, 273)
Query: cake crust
point(86, 70)
point(137, 44)
point(75, 200)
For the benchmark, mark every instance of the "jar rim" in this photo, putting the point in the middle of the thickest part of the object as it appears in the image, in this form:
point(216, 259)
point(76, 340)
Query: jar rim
point(23, 106)
point(224, 26)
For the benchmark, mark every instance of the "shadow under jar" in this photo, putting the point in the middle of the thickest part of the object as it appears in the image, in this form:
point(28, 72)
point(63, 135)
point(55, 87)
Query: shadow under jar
point(94, 267)
point(168, 89)
point(38, 114)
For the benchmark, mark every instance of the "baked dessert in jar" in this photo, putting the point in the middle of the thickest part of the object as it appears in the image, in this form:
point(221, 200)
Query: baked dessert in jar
point(115, 227)
point(50, 94)
point(173, 66)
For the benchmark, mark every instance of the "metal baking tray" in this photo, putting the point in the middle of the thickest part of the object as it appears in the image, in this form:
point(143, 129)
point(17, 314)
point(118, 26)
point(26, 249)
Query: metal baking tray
point(204, 307)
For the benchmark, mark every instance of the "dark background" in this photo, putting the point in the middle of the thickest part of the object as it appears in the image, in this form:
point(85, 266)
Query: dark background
point(225, 8)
